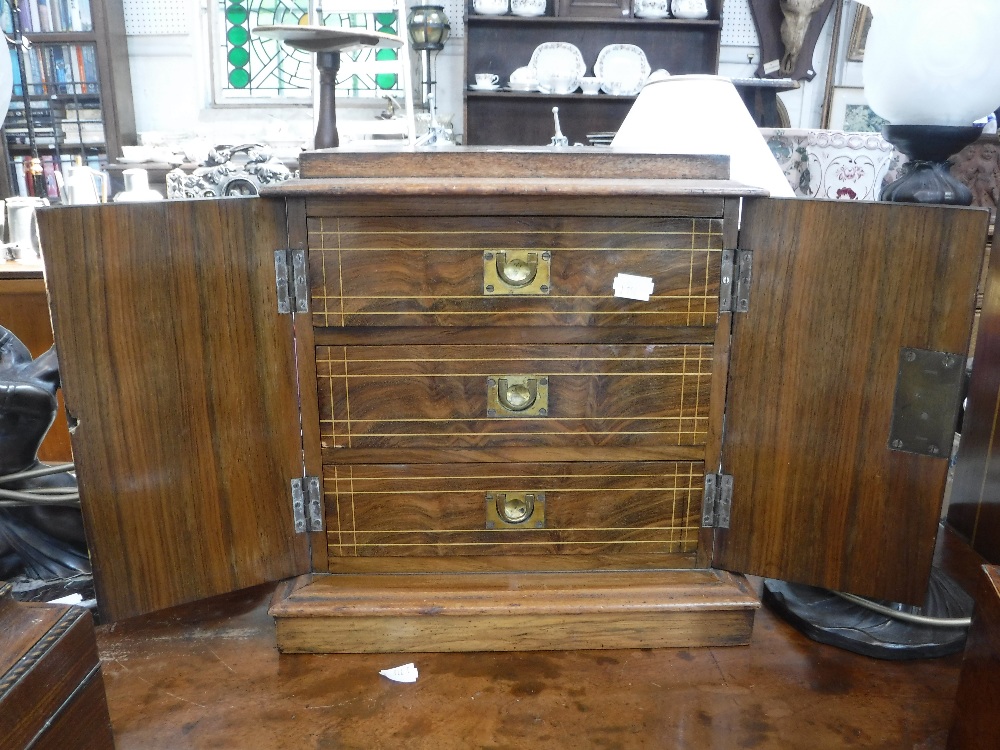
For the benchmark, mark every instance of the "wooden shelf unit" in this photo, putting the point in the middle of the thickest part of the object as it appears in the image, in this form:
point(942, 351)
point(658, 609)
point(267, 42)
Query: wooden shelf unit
point(501, 44)
point(80, 94)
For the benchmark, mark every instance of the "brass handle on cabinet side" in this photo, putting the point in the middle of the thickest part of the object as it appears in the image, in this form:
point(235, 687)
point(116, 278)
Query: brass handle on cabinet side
point(517, 396)
point(517, 272)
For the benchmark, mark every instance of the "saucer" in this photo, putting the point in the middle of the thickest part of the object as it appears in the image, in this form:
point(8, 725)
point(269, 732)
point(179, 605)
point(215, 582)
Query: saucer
point(476, 87)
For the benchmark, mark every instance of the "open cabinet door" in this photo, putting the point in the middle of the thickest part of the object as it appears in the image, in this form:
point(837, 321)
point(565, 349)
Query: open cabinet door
point(181, 374)
point(838, 290)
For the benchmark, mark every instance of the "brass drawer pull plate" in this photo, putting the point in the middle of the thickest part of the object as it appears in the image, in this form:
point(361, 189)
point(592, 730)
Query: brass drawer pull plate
point(520, 272)
point(517, 396)
point(515, 510)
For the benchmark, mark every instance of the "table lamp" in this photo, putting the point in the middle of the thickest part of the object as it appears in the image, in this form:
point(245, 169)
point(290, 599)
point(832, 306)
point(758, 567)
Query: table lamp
point(428, 28)
point(700, 114)
point(931, 69)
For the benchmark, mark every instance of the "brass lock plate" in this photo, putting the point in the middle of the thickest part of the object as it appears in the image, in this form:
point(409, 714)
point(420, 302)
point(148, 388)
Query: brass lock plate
point(516, 272)
point(517, 396)
point(515, 510)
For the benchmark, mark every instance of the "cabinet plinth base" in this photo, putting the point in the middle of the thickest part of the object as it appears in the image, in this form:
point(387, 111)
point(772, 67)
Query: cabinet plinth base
point(362, 613)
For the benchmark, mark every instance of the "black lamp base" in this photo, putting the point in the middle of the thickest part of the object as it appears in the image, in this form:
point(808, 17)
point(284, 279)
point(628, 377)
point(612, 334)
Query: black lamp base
point(929, 148)
point(826, 617)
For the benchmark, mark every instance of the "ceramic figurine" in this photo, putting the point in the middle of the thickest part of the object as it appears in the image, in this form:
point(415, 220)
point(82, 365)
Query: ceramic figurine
point(693, 9)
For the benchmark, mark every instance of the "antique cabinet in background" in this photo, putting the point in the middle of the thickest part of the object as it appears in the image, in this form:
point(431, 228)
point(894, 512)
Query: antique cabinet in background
point(446, 413)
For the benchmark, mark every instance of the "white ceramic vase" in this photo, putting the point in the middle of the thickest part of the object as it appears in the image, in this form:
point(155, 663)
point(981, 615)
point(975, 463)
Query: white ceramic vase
point(690, 9)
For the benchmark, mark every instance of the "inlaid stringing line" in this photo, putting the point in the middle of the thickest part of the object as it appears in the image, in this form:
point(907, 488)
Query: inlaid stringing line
point(370, 435)
point(363, 532)
point(479, 477)
point(475, 490)
point(664, 297)
point(354, 522)
point(702, 351)
point(340, 272)
point(336, 487)
point(347, 400)
point(512, 543)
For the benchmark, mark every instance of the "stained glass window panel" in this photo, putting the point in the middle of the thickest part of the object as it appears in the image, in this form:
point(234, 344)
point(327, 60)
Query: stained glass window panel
point(256, 68)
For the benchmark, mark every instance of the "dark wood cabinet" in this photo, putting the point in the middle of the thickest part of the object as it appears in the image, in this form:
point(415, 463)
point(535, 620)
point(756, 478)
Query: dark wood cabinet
point(501, 44)
point(448, 417)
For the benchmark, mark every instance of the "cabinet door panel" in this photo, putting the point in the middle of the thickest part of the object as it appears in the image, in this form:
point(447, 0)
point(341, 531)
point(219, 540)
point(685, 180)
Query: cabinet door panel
point(181, 373)
point(838, 289)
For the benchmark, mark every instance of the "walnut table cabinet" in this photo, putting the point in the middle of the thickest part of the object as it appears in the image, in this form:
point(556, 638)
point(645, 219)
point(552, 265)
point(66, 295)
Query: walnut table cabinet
point(428, 390)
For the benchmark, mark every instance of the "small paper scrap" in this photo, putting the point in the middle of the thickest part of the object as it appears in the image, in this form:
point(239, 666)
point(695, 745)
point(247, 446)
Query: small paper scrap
point(71, 599)
point(403, 673)
point(772, 66)
point(633, 287)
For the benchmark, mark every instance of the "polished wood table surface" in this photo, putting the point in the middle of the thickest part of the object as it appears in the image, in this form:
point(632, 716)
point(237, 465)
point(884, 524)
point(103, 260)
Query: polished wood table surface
point(209, 676)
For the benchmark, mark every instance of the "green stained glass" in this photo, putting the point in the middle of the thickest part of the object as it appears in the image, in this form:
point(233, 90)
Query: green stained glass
point(239, 79)
point(239, 57)
point(236, 15)
point(260, 67)
point(237, 36)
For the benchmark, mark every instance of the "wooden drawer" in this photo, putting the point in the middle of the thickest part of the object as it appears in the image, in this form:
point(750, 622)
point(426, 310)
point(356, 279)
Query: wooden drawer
point(409, 271)
point(438, 397)
point(580, 508)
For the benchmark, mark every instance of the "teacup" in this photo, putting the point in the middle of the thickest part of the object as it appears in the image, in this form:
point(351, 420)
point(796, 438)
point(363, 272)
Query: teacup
point(590, 85)
point(487, 80)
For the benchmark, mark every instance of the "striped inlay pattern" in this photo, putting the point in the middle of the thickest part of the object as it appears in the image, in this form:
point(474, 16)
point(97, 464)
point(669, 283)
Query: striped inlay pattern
point(416, 271)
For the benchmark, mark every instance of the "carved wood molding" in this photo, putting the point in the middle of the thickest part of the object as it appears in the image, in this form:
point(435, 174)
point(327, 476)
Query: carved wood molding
point(977, 166)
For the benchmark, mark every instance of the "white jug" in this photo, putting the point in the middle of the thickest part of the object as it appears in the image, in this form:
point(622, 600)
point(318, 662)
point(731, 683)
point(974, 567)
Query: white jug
point(85, 186)
point(23, 227)
point(929, 62)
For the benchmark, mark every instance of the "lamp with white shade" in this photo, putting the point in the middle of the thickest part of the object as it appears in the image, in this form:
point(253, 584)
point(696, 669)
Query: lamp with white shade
point(701, 114)
point(931, 69)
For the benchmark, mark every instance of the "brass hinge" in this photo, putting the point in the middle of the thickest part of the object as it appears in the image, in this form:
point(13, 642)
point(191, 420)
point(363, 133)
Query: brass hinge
point(307, 509)
point(291, 280)
point(734, 284)
point(717, 501)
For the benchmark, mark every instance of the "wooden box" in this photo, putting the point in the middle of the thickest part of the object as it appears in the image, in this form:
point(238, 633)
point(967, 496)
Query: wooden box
point(399, 380)
point(51, 689)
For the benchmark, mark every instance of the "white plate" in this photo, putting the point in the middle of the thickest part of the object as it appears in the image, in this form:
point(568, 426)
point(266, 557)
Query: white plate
point(622, 68)
point(561, 59)
point(476, 87)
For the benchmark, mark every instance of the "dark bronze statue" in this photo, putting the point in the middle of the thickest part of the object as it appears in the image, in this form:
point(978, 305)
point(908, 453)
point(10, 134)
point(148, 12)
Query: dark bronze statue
point(41, 529)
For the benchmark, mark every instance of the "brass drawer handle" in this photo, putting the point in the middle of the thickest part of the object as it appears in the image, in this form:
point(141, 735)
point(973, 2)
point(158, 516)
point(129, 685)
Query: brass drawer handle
point(517, 272)
point(515, 510)
point(517, 396)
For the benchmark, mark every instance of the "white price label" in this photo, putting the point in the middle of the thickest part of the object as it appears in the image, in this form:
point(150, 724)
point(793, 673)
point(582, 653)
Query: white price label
point(628, 286)
point(772, 67)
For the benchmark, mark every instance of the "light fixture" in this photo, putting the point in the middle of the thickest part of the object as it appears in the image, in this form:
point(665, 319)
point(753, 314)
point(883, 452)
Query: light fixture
point(931, 70)
point(428, 28)
point(701, 114)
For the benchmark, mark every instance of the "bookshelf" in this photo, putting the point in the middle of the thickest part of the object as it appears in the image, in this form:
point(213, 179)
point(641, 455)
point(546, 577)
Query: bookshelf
point(72, 98)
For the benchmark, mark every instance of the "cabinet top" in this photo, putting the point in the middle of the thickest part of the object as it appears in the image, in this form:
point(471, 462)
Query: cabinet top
point(504, 171)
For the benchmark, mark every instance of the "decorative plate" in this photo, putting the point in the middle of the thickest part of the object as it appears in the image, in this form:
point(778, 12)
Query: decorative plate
point(622, 68)
point(558, 66)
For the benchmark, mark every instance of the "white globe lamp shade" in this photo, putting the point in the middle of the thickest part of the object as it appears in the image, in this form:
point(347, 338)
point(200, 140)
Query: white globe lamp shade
point(701, 114)
point(931, 62)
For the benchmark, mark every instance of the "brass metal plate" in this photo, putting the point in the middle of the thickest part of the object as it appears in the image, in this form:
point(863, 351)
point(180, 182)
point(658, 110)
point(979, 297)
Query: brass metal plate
point(517, 396)
point(515, 510)
point(928, 395)
point(517, 272)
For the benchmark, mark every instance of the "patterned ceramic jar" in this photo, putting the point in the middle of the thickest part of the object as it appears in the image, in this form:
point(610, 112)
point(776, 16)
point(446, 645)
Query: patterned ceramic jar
point(689, 8)
point(527, 7)
point(652, 8)
point(490, 7)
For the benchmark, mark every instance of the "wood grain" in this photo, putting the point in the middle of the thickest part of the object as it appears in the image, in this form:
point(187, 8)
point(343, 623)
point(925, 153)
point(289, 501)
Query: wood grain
point(388, 162)
point(514, 612)
point(181, 374)
point(408, 271)
point(979, 685)
point(51, 691)
point(819, 497)
point(437, 397)
point(618, 561)
point(589, 508)
point(974, 508)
